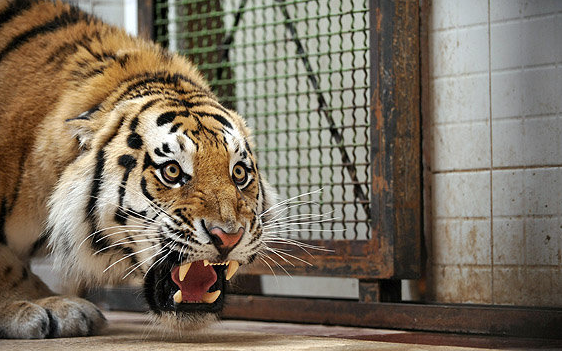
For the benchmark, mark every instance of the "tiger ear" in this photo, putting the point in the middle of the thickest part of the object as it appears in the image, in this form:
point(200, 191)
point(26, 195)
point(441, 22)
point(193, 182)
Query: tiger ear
point(82, 126)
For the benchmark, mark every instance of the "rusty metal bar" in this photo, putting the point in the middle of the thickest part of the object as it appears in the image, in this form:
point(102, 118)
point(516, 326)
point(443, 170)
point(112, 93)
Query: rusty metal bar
point(471, 319)
point(145, 19)
point(396, 201)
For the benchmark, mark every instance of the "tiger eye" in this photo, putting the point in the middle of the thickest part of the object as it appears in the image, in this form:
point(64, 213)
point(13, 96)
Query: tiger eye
point(172, 172)
point(239, 174)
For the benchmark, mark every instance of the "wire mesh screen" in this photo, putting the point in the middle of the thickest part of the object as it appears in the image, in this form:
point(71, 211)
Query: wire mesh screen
point(298, 71)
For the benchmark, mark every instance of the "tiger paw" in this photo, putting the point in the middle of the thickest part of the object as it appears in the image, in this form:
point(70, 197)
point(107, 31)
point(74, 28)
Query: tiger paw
point(51, 317)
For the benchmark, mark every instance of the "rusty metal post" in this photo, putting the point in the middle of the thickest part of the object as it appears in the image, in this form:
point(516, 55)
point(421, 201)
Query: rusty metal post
point(145, 19)
point(396, 202)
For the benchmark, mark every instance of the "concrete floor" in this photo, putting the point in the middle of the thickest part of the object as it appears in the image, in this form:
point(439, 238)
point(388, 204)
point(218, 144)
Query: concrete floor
point(132, 331)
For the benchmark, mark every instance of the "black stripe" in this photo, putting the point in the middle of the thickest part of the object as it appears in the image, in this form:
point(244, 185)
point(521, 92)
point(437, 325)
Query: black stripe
point(53, 325)
point(159, 153)
point(14, 9)
point(165, 118)
point(145, 190)
point(166, 148)
point(174, 128)
point(147, 162)
point(129, 162)
point(96, 184)
point(39, 243)
point(134, 141)
point(148, 105)
point(218, 118)
point(165, 78)
point(3, 212)
point(134, 124)
point(60, 22)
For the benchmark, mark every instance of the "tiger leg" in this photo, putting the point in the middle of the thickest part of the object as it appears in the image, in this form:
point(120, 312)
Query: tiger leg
point(30, 310)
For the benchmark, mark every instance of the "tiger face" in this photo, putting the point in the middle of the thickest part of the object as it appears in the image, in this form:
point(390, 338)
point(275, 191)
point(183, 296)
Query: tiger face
point(175, 198)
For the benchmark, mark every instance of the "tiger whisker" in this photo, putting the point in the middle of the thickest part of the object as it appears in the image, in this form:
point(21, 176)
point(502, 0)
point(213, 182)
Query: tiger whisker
point(150, 203)
point(127, 256)
point(137, 265)
point(163, 258)
point(277, 253)
point(123, 243)
point(327, 220)
point(300, 215)
point(296, 243)
point(101, 230)
point(277, 264)
point(136, 215)
point(292, 256)
point(270, 268)
point(286, 209)
point(148, 259)
point(147, 231)
point(281, 203)
point(146, 235)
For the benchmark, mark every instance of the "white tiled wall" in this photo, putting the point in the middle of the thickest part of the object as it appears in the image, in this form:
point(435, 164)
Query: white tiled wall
point(496, 138)
point(122, 13)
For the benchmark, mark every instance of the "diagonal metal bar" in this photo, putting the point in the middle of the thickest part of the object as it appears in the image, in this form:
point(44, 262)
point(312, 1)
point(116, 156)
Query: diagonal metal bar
point(323, 106)
point(225, 46)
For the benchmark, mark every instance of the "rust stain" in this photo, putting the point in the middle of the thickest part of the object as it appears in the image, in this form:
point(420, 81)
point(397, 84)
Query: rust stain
point(379, 184)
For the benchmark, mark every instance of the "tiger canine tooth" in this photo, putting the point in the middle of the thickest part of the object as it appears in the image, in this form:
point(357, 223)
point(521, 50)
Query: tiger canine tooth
point(177, 297)
point(232, 268)
point(210, 297)
point(183, 270)
point(206, 263)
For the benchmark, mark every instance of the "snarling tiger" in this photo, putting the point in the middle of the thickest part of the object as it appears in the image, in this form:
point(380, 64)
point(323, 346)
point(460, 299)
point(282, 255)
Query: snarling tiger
point(118, 159)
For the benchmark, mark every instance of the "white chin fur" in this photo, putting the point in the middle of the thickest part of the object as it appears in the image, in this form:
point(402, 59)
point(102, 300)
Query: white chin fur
point(183, 323)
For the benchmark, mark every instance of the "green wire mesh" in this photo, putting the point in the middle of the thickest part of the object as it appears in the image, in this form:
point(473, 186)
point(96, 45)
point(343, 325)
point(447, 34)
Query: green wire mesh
point(298, 71)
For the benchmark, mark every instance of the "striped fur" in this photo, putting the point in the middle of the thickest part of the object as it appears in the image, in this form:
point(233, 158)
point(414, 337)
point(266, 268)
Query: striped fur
point(90, 116)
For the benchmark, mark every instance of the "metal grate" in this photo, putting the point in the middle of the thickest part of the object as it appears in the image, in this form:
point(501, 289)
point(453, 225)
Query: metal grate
point(298, 71)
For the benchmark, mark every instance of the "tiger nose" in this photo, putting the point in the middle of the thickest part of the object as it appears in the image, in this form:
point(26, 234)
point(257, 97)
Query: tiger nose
point(225, 242)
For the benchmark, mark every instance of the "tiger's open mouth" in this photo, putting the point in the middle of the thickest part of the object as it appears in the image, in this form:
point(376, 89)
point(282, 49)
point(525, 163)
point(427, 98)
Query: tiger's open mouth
point(192, 287)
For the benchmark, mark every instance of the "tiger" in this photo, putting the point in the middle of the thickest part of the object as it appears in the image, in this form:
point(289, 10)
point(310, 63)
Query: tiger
point(120, 162)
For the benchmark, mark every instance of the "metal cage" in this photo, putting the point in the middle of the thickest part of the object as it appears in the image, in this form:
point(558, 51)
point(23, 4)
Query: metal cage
point(313, 79)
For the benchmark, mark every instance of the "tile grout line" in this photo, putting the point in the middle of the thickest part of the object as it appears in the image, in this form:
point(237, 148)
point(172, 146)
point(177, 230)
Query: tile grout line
point(491, 155)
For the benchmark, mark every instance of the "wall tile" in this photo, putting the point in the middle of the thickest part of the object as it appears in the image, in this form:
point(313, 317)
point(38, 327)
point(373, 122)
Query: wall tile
point(508, 192)
point(461, 146)
point(542, 141)
point(444, 14)
point(509, 241)
point(459, 51)
point(465, 194)
point(501, 10)
point(446, 242)
point(475, 242)
point(463, 284)
point(543, 191)
point(539, 41)
point(541, 91)
point(508, 142)
point(507, 94)
point(543, 241)
point(505, 42)
point(510, 286)
point(460, 99)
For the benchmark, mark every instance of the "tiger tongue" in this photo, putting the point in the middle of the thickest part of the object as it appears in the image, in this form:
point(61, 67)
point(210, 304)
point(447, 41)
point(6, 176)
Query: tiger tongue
point(198, 280)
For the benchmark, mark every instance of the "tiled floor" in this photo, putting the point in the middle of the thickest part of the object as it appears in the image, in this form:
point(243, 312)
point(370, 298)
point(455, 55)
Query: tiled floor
point(132, 331)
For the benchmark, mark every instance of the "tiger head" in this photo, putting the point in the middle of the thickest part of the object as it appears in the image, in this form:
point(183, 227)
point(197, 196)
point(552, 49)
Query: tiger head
point(165, 189)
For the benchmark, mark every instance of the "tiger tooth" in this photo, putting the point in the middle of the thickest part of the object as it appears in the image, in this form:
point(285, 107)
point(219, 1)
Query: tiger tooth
point(183, 270)
point(210, 297)
point(232, 268)
point(177, 297)
point(206, 263)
